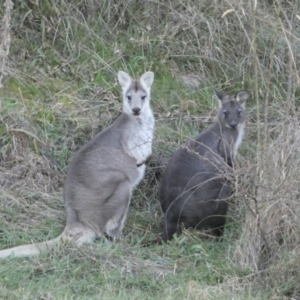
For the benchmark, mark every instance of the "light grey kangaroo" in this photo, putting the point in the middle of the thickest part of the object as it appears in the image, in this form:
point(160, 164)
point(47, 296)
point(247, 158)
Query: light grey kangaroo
point(193, 190)
point(104, 172)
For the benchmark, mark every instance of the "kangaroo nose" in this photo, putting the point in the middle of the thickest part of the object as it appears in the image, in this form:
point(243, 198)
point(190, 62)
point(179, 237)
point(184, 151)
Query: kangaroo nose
point(233, 125)
point(136, 110)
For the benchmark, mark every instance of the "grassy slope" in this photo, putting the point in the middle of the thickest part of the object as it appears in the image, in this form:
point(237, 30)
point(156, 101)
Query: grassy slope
point(62, 90)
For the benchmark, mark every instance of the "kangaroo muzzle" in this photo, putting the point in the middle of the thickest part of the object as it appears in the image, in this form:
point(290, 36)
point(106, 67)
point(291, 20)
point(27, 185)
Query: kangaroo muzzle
point(136, 111)
point(233, 125)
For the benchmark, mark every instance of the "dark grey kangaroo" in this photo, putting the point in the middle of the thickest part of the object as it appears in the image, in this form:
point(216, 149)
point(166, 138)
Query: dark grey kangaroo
point(193, 190)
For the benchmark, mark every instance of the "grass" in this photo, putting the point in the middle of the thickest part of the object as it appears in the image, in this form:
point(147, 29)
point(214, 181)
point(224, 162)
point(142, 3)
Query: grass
point(60, 89)
point(123, 269)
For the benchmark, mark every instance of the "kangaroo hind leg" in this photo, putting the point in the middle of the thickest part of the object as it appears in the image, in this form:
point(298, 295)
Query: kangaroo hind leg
point(117, 208)
point(79, 234)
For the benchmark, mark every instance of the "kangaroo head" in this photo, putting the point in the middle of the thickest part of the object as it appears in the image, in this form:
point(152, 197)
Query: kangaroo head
point(232, 109)
point(136, 93)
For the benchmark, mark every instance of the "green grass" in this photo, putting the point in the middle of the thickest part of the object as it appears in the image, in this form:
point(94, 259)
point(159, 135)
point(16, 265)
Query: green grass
point(121, 269)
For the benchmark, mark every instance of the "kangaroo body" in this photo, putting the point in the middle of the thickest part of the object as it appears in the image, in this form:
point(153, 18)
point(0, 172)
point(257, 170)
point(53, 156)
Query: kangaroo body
point(193, 190)
point(104, 172)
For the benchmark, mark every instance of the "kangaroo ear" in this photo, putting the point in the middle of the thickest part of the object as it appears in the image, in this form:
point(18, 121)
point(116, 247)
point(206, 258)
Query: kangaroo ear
point(220, 97)
point(242, 96)
point(124, 79)
point(147, 79)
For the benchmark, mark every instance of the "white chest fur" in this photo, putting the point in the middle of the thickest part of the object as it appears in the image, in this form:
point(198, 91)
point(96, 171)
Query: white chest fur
point(139, 143)
point(241, 132)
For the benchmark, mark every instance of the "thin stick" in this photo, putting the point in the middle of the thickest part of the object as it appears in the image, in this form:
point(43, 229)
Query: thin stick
point(5, 38)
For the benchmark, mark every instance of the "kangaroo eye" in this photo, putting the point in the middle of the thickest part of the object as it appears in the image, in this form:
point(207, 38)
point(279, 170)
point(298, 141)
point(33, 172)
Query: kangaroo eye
point(143, 97)
point(239, 112)
point(129, 97)
point(225, 112)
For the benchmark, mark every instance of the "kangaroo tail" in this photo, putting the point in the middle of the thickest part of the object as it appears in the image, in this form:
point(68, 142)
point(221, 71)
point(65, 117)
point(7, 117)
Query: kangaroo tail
point(29, 250)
